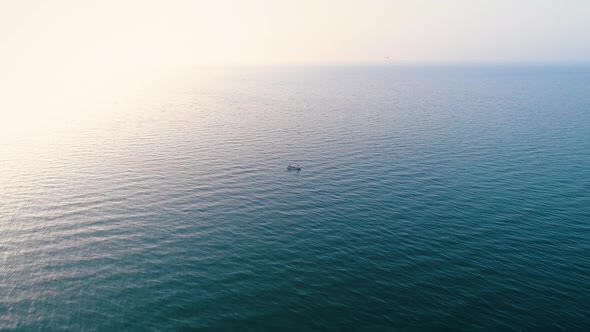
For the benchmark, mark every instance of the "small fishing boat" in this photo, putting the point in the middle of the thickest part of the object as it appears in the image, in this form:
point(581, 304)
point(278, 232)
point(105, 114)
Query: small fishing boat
point(295, 167)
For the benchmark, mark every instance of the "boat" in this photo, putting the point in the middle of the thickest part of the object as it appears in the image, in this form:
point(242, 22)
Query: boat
point(295, 167)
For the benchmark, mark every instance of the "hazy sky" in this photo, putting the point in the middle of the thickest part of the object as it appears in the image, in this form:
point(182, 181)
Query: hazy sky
point(58, 56)
point(56, 49)
point(80, 33)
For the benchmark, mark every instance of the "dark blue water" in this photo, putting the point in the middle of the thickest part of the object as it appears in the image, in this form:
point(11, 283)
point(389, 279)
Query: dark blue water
point(431, 198)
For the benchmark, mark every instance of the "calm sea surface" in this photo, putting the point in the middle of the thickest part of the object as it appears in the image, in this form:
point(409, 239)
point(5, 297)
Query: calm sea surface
point(431, 198)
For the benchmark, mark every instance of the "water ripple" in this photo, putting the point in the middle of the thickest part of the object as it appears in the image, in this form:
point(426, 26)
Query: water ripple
point(452, 199)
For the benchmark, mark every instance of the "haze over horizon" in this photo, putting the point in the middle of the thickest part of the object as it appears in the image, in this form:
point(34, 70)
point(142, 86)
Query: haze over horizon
point(64, 50)
point(134, 33)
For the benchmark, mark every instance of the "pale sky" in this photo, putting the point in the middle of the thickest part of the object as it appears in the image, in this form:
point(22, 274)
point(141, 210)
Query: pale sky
point(83, 33)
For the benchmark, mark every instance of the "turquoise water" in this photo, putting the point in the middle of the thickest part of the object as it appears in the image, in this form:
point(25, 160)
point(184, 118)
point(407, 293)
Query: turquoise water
point(431, 198)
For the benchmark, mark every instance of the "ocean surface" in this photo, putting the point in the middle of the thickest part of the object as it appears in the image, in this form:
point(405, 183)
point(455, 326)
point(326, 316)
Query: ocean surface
point(431, 198)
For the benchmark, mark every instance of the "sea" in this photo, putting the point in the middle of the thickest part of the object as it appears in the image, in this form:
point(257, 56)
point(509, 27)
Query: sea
point(431, 198)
